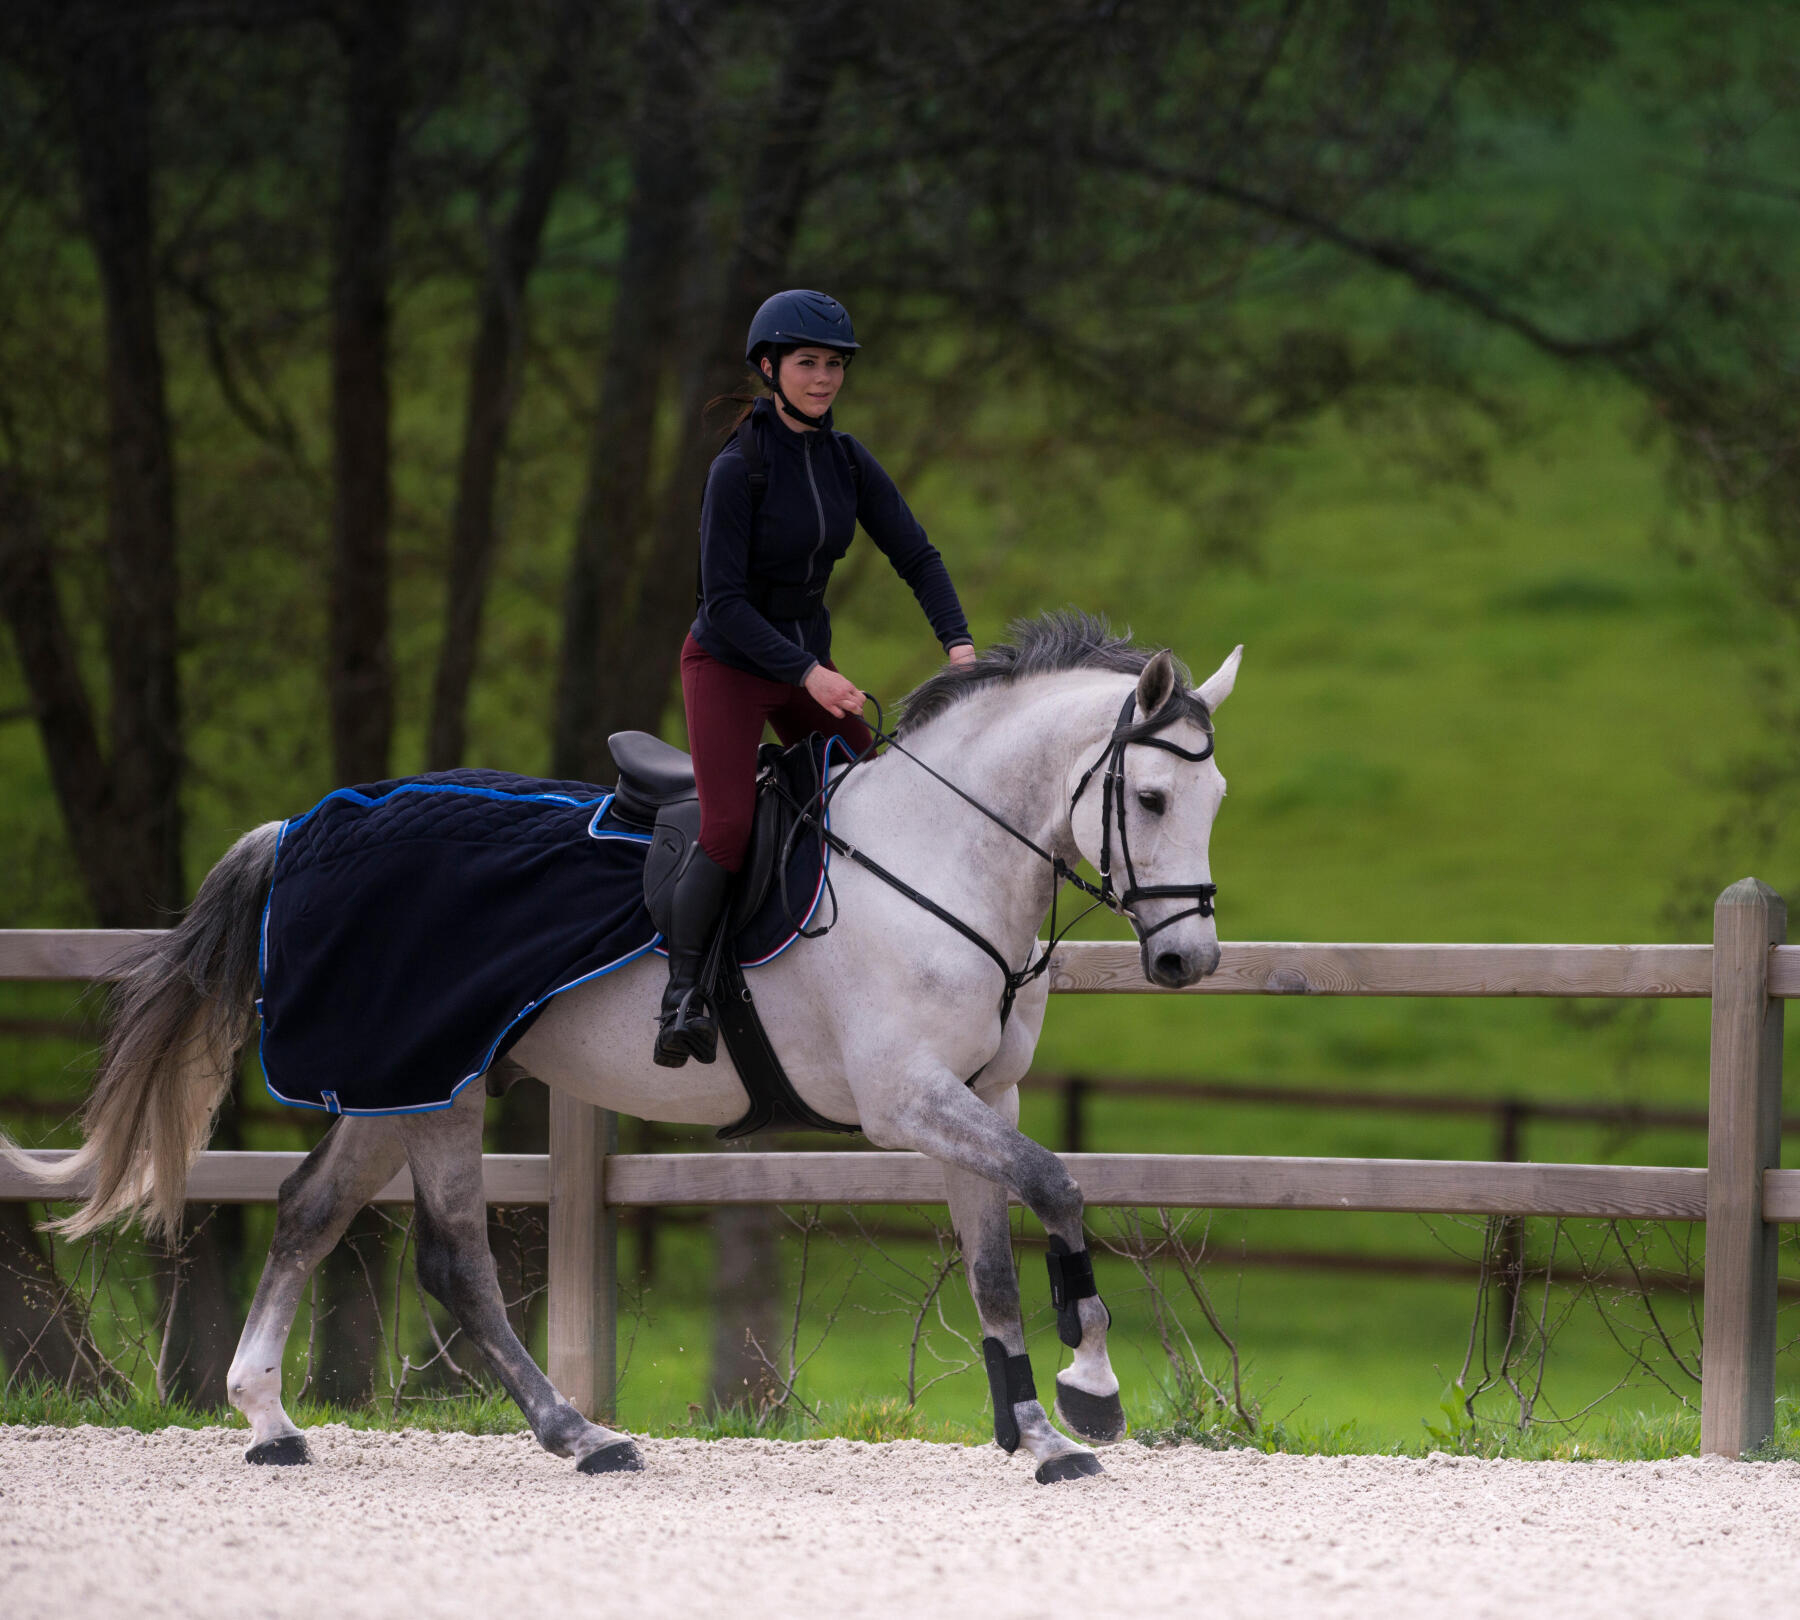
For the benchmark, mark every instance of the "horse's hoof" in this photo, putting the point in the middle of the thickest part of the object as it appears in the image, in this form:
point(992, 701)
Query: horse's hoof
point(284, 1451)
point(619, 1457)
point(1077, 1465)
point(1098, 1419)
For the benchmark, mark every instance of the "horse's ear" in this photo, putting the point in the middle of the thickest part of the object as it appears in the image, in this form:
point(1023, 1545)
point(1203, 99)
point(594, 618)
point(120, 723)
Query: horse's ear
point(1218, 685)
point(1157, 684)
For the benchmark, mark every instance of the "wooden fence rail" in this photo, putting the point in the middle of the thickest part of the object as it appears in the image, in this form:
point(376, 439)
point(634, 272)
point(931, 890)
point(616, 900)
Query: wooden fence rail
point(1741, 1194)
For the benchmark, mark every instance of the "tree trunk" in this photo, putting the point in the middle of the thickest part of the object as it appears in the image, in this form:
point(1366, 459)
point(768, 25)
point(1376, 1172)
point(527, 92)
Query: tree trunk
point(666, 184)
point(351, 1293)
point(199, 1310)
point(494, 384)
point(642, 643)
point(134, 866)
point(747, 1308)
point(197, 1284)
point(79, 773)
point(359, 674)
point(43, 1327)
point(109, 98)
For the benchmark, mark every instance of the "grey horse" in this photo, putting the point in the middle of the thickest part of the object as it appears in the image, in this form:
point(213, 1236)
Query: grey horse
point(882, 1022)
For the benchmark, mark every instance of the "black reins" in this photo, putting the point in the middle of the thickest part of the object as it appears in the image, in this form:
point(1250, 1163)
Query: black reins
point(1105, 893)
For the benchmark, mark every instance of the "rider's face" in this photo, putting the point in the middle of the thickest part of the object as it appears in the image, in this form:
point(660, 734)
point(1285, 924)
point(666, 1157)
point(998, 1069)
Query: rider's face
point(811, 378)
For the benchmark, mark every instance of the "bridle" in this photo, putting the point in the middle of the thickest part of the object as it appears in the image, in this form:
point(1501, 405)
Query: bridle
point(1113, 797)
point(1125, 734)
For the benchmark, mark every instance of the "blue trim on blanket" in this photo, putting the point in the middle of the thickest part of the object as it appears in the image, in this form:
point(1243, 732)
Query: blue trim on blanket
point(262, 948)
point(433, 787)
point(625, 837)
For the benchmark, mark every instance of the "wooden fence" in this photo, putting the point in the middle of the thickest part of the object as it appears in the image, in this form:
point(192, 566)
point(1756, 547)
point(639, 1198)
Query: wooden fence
point(1742, 1194)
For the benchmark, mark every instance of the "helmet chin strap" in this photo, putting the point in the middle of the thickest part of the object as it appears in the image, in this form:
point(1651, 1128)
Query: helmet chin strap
point(773, 379)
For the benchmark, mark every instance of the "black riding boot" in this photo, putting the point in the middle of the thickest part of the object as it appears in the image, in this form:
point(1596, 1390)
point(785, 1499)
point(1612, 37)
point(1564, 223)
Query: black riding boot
point(688, 1028)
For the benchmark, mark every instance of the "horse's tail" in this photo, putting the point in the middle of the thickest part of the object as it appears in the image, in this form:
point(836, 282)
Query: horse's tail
point(181, 1011)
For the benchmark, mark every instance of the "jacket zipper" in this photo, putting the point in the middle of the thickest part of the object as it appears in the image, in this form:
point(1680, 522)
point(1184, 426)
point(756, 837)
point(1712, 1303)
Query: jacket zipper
point(818, 507)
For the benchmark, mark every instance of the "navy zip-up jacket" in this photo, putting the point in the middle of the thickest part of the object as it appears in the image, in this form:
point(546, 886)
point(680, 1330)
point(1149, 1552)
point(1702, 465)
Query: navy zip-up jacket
point(806, 521)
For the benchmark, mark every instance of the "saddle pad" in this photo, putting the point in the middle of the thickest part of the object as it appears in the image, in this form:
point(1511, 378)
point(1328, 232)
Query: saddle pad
point(415, 928)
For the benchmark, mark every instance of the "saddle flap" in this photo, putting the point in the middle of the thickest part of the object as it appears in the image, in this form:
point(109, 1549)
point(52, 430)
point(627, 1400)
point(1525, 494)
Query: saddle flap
point(786, 779)
point(775, 814)
point(652, 773)
point(677, 831)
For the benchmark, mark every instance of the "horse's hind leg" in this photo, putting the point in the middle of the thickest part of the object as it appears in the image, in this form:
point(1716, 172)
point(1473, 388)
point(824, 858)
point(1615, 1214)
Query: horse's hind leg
point(456, 1265)
point(354, 1160)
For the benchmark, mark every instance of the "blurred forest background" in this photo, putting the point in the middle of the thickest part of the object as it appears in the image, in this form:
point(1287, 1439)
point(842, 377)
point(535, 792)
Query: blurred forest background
point(353, 359)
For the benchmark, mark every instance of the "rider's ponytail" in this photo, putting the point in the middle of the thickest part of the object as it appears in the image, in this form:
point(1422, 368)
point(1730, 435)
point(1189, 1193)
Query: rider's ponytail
point(746, 402)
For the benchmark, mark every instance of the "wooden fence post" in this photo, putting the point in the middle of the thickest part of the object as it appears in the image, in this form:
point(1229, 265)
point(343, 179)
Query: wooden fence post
point(583, 1319)
point(1737, 1386)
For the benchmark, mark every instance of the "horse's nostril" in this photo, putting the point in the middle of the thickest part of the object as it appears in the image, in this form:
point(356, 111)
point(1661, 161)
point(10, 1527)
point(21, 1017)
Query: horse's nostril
point(1169, 965)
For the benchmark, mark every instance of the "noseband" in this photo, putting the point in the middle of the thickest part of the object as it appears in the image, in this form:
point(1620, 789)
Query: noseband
point(1112, 811)
point(1105, 893)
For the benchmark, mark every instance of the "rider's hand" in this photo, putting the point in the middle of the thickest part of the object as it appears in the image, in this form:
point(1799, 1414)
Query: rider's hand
point(832, 692)
point(964, 654)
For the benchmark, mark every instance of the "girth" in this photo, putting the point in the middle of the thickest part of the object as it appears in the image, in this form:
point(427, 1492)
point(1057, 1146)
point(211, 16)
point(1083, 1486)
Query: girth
point(774, 1104)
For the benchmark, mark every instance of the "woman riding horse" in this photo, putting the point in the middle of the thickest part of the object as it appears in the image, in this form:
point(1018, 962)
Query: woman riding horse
point(783, 500)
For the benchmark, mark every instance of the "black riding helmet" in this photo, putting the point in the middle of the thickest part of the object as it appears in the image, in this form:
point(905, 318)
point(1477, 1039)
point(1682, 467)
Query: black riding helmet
point(798, 319)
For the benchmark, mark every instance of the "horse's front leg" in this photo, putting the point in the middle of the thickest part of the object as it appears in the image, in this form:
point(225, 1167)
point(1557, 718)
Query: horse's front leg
point(978, 1212)
point(1087, 1390)
point(983, 1153)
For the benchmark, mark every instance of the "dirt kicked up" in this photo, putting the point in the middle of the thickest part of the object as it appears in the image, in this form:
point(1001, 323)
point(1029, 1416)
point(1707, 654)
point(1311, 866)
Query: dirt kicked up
point(108, 1522)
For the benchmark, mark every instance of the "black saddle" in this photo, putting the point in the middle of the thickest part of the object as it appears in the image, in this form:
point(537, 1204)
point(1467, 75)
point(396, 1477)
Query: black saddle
point(652, 773)
point(656, 793)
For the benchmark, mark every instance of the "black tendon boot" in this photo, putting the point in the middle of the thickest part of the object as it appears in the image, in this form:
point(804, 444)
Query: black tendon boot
point(688, 1028)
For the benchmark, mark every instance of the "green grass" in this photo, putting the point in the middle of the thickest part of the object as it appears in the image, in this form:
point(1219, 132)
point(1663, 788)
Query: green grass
point(1631, 1436)
point(41, 1404)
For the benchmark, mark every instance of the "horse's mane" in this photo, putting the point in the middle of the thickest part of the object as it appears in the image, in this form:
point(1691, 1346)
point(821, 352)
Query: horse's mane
point(1066, 639)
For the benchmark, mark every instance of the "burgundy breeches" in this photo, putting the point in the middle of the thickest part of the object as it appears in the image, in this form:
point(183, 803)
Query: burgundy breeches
point(726, 709)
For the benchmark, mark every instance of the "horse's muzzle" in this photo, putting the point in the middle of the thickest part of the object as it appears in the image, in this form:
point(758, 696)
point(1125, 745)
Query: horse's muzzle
point(1173, 969)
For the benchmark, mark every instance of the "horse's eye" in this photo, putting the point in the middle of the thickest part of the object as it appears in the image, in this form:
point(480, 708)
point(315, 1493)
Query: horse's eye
point(1153, 801)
